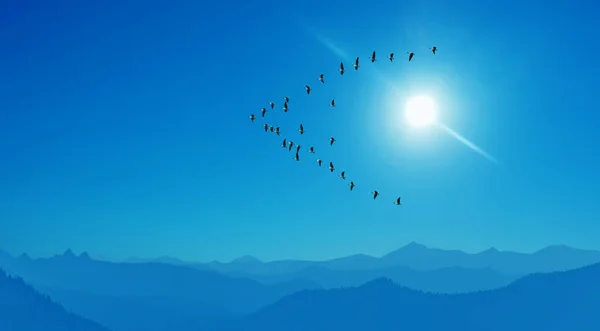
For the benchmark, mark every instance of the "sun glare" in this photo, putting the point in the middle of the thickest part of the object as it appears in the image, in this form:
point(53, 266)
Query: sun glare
point(421, 111)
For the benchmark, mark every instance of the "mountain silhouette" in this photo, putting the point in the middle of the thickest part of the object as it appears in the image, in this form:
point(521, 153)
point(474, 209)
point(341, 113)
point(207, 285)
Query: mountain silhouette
point(559, 301)
point(420, 257)
point(160, 293)
point(24, 309)
point(174, 294)
point(444, 280)
point(551, 258)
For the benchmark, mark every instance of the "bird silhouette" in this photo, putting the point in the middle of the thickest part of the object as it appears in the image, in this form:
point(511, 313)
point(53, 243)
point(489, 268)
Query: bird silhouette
point(263, 111)
point(331, 141)
point(351, 186)
point(307, 89)
point(433, 49)
point(301, 130)
point(332, 104)
point(372, 58)
point(331, 168)
point(356, 66)
point(410, 55)
point(375, 194)
point(321, 78)
point(391, 57)
point(272, 105)
point(341, 69)
point(252, 117)
point(343, 175)
point(397, 202)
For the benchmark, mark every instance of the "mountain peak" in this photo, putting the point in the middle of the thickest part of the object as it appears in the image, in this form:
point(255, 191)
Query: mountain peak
point(413, 245)
point(246, 259)
point(491, 250)
point(412, 248)
point(85, 256)
point(68, 253)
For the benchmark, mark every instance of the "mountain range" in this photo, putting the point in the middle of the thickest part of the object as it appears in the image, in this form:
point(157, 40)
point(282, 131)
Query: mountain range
point(414, 265)
point(145, 296)
point(167, 293)
point(560, 301)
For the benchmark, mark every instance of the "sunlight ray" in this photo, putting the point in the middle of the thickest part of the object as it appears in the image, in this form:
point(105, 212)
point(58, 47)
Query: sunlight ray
point(466, 142)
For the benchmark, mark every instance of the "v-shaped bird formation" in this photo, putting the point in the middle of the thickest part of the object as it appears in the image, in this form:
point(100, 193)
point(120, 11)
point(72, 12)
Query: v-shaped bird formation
point(286, 143)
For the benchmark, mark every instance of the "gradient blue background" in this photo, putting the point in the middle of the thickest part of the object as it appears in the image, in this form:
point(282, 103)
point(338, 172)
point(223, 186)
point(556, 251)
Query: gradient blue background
point(124, 127)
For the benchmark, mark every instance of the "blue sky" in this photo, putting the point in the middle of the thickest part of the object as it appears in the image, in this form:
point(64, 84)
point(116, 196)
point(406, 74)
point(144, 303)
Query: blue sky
point(124, 127)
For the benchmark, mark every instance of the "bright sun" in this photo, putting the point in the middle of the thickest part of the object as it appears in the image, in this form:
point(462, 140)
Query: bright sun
point(420, 111)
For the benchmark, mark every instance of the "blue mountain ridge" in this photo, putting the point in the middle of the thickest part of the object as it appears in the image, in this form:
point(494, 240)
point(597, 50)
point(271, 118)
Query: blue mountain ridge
point(24, 309)
point(420, 257)
point(414, 265)
point(156, 296)
point(145, 296)
point(559, 301)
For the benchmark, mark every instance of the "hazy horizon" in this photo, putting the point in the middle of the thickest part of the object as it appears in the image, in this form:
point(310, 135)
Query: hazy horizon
point(126, 257)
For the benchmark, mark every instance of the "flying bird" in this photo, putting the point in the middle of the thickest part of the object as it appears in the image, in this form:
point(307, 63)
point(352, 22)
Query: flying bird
point(277, 131)
point(297, 157)
point(331, 141)
point(372, 58)
point(286, 99)
point(285, 107)
point(271, 128)
point(311, 150)
point(263, 111)
point(301, 130)
point(356, 66)
point(375, 194)
point(331, 168)
point(266, 127)
point(284, 143)
point(397, 202)
point(307, 89)
point(343, 175)
point(332, 104)
point(290, 145)
point(252, 117)
point(272, 105)
point(341, 69)
point(410, 55)
point(351, 185)
point(319, 161)
point(298, 148)
point(433, 49)
point(391, 57)
point(321, 78)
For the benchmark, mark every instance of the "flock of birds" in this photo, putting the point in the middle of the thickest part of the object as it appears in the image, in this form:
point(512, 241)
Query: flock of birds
point(290, 144)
